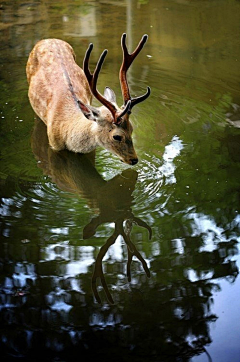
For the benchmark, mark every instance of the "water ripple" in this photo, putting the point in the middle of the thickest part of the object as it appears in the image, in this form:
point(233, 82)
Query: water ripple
point(156, 173)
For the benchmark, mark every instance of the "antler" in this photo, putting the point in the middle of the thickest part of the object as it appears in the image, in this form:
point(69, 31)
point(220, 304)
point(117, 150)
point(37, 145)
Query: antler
point(92, 80)
point(126, 63)
point(132, 250)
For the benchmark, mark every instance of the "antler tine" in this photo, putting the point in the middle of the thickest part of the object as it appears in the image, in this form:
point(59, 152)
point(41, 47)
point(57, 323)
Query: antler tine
point(92, 78)
point(130, 57)
point(132, 250)
point(126, 63)
point(86, 62)
point(142, 98)
point(143, 224)
point(126, 109)
point(98, 271)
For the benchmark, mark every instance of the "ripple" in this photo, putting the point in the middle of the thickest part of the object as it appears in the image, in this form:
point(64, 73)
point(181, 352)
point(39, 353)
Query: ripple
point(157, 172)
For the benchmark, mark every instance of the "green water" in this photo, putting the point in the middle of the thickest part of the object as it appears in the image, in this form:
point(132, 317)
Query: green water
point(106, 261)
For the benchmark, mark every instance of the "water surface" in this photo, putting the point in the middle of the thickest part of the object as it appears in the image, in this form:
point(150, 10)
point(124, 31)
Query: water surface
point(102, 260)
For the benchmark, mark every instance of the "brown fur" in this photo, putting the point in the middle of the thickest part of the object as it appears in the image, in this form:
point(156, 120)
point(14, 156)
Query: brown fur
point(56, 85)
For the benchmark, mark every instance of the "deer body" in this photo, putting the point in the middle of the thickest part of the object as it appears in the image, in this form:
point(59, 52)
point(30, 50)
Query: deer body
point(60, 93)
point(56, 82)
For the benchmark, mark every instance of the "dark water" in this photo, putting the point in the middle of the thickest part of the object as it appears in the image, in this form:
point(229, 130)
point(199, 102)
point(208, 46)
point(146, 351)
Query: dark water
point(66, 223)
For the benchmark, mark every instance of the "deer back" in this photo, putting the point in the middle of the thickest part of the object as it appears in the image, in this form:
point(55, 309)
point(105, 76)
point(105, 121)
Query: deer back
point(56, 83)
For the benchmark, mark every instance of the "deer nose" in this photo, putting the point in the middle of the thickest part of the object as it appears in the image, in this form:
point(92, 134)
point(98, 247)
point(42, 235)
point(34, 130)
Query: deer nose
point(134, 161)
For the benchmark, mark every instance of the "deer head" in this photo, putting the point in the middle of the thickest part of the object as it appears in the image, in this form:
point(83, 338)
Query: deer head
point(116, 128)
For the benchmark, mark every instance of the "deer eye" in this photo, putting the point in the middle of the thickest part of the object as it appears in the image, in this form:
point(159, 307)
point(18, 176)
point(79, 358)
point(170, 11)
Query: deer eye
point(117, 138)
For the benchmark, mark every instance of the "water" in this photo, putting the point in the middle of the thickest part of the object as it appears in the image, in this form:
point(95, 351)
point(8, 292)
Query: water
point(70, 285)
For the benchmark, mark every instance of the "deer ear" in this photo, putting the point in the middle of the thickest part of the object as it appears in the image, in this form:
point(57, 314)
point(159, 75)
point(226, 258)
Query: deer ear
point(88, 111)
point(109, 95)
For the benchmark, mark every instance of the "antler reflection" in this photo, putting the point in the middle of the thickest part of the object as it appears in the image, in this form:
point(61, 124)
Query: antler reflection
point(131, 249)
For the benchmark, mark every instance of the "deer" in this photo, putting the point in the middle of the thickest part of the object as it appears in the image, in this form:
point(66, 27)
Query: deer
point(60, 93)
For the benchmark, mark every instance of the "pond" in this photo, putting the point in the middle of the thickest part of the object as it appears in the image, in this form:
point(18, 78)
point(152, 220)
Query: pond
point(111, 261)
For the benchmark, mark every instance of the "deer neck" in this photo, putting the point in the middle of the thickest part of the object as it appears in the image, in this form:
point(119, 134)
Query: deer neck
point(81, 134)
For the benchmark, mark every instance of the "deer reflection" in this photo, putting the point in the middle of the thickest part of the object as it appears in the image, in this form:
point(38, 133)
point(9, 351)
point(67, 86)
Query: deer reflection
point(113, 199)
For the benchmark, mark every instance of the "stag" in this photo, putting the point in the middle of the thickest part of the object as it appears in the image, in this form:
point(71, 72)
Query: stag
point(60, 93)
